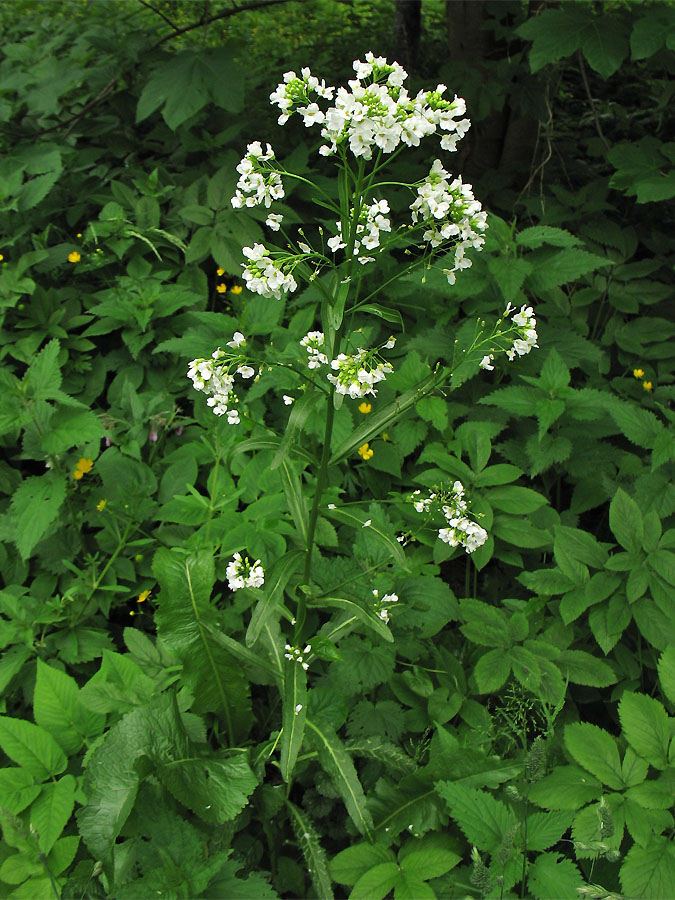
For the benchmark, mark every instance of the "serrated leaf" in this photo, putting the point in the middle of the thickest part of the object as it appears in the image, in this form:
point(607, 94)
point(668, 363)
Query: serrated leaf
point(216, 789)
point(646, 726)
point(377, 882)
point(17, 789)
point(313, 852)
point(57, 708)
point(350, 864)
point(581, 667)
point(551, 875)
point(31, 747)
point(491, 671)
point(35, 505)
point(338, 764)
point(71, 428)
point(567, 787)
point(649, 872)
point(625, 520)
point(667, 673)
point(546, 829)
point(483, 819)
point(538, 235)
point(596, 751)
point(50, 813)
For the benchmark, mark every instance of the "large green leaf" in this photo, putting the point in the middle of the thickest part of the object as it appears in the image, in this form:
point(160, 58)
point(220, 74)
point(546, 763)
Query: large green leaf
point(35, 505)
point(50, 813)
point(57, 708)
point(595, 750)
point(216, 788)
point(31, 747)
point(551, 875)
point(484, 820)
point(184, 609)
point(647, 727)
point(338, 764)
point(649, 872)
point(350, 864)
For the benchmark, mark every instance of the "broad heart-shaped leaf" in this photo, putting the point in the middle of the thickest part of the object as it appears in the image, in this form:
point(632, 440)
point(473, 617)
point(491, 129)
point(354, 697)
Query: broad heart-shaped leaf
point(31, 747)
point(550, 875)
point(57, 708)
point(350, 864)
point(50, 813)
point(184, 610)
point(313, 852)
point(595, 750)
point(35, 505)
point(667, 673)
point(625, 520)
point(294, 712)
point(483, 819)
point(646, 726)
point(649, 872)
point(338, 764)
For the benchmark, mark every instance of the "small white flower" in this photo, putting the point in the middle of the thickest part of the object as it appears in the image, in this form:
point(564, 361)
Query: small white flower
point(246, 371)
point(240, 573)
point(274, 220)
point(287, 399)
point(485, 362)
point(298, 708)
point(238, 340)
point(367, 523)
point(331, 506)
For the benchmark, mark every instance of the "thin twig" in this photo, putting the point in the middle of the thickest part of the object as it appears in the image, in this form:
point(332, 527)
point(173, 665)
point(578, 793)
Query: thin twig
point(598, 128)
point(159, 13)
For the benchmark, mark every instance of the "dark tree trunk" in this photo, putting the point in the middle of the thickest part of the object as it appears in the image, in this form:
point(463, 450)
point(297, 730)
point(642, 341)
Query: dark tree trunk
point(406, 32)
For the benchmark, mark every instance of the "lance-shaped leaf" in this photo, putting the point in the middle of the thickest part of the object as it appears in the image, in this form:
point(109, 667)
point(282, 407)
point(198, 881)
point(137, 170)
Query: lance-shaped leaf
point(293, 716)
point(358, 521)
point(338, 764)
point(315, 855)
point(290, 481)
point(272, 594)
point(184, 609)
point(300, 412)
point(357, 613)
point(385, 417)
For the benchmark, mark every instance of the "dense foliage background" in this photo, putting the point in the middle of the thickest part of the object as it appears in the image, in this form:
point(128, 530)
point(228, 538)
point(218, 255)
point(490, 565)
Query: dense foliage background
point(510, 732)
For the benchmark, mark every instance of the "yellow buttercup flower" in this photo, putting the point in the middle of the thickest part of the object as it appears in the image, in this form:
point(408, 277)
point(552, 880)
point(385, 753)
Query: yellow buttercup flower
point(365, 407)
point(221, 288)
point(143, 596)
point(74, 257)
point(638, 373)
point(82, 467)
point(101, 505)
point(236, 289)
point(1, 257)
point(647, 385)
point(79, 234)
point(365, 452)
point(220, 271)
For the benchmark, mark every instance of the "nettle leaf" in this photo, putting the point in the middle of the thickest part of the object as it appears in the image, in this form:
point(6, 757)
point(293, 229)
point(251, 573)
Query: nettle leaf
point(35, 505)
point(595, 750)
point(538, 235)
point(546, 829)
point(484, 820)
point(646, 726)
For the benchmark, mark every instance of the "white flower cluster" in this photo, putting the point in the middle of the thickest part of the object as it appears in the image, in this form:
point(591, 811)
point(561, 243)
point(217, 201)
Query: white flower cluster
point(217, 380)
point(449, 211)
point(257, 184)
point(241, 573)
point(296, 655)
point(263, 276)
point(357, 374)
point(381, 604)
point(372, 220)
point(313, 342)
point(526, 328)
point(375, 113)
point(461, 530)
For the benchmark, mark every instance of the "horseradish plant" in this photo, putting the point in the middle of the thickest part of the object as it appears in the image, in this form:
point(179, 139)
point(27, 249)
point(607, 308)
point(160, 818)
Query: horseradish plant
point(364, 127)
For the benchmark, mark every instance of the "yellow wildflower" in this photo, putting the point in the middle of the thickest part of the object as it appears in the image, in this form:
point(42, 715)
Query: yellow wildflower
point(1, 257)
point(79, 234)
point(101, 505)
point(365, 452)
point(220, 271)
point(647, 385)
point(385, 435)
point(365, 407)
point(236, 289)
point(82, 467)
point(638, 373)
point(74, 257)
point(143, 596)
point(221, 288)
